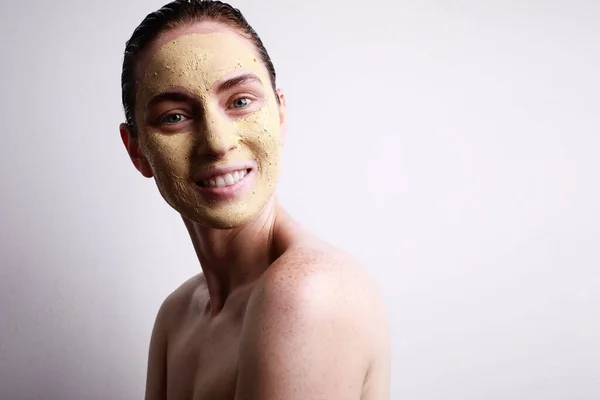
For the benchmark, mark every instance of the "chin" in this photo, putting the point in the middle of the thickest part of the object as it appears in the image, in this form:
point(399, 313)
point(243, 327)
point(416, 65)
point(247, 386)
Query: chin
point(222, 223)
point(218, 213)
point(230, 216)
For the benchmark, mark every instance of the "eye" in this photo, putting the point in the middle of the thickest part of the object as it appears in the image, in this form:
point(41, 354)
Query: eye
point(173, 118)
point(241, 102)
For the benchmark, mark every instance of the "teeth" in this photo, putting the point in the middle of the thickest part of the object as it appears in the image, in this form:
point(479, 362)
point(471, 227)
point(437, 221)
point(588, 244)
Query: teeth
point(225, 180)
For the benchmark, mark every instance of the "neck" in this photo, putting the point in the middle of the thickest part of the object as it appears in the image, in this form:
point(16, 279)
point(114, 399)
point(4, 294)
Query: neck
point(234, 258)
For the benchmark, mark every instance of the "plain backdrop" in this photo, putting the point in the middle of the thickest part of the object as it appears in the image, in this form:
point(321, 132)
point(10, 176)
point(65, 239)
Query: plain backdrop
point(452, 146)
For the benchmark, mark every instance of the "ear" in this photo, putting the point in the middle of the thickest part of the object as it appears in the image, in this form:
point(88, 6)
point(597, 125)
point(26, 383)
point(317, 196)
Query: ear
point(282, 116)
point(133, 148)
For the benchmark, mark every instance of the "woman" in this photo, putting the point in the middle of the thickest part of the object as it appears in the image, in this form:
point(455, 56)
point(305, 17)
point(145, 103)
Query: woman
point(276, 313)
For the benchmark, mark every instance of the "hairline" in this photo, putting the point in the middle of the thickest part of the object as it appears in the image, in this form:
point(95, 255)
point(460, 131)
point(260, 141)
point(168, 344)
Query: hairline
point(145, 55)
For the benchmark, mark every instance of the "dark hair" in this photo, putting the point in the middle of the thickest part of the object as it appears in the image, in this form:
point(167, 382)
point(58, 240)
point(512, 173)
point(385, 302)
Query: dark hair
point(175, 14)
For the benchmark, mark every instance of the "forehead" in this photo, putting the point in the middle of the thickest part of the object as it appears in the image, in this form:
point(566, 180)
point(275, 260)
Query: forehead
point(208, 37)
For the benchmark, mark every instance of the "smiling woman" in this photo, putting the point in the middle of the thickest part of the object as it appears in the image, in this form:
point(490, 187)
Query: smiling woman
point(277, 313)
point(198, 75)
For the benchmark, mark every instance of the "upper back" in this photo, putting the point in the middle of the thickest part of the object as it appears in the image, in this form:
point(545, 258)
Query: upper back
point(310, 273)
point(313, 280)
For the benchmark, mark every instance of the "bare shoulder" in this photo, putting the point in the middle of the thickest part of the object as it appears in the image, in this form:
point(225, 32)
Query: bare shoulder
point(337, 279)
point(332, 279)
point(175, 305)
point(314, 327)
point(168, 318)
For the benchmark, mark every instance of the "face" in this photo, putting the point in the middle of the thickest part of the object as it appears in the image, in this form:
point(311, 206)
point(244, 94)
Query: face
point(209, 125)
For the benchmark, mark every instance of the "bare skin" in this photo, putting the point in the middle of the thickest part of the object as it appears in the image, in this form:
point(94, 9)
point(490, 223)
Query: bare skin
point(276, 313)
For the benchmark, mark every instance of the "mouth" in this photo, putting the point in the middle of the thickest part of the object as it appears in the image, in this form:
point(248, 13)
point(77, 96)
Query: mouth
point(224, 180)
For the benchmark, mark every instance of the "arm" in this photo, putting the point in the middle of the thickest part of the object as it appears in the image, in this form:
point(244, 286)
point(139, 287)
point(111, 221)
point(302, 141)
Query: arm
point(156, 377)
point(303, 339)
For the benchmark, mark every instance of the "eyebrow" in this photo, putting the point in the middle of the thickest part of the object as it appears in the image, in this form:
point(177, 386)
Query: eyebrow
point(180, 95)
point(168, 96)
point(238, 80)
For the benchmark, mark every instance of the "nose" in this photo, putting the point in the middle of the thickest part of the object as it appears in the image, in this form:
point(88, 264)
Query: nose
point(218, 137)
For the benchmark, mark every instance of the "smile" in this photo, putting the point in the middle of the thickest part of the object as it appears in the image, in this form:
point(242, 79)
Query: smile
point(224, 180)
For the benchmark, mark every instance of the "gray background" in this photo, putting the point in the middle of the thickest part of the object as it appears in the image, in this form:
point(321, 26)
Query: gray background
point(452, 146)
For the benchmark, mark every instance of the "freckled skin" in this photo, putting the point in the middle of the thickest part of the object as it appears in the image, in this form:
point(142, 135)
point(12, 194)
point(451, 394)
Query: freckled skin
point(277, 313)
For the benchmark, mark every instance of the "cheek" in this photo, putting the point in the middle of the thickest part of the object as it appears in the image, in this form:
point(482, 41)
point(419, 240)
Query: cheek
point(168, 154)
point(261, 132)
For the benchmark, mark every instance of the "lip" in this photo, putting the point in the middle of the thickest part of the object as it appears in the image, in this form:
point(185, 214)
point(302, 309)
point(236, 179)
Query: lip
point(226, 192)
point(216, 170)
